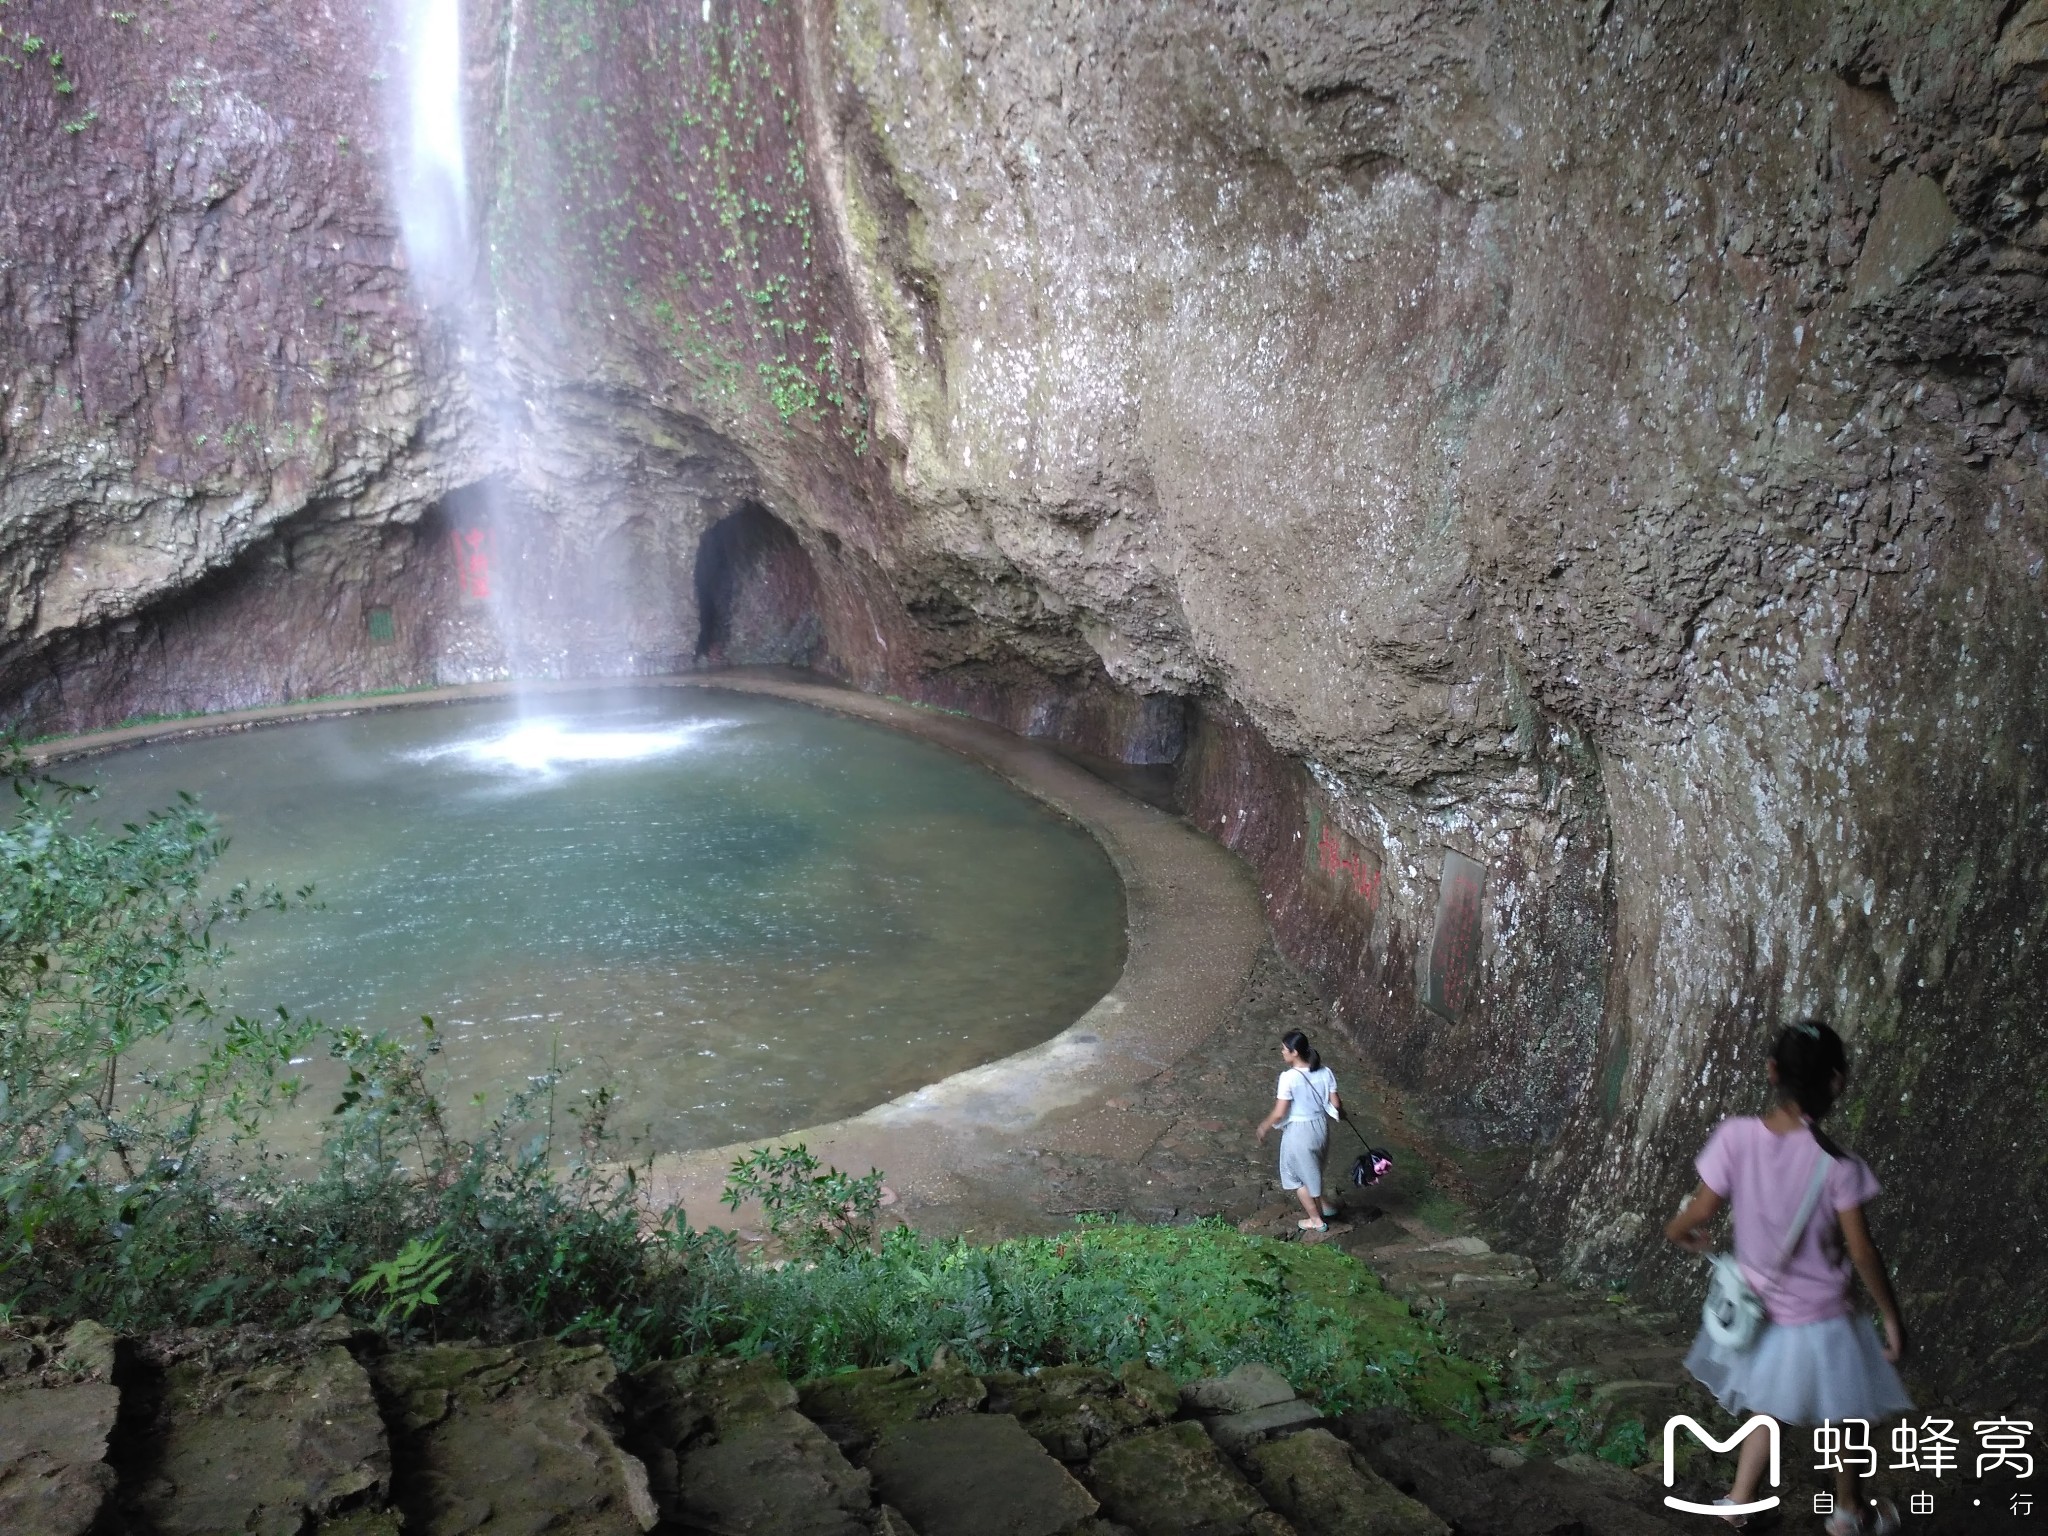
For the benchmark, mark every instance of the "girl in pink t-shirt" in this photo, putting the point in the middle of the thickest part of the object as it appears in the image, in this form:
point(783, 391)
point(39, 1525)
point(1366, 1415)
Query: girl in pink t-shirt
point(1815, 1361)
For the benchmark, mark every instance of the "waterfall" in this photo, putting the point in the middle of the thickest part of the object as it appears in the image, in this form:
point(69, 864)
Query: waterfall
point(551, 600)
point(432, 174)
point(430, 186)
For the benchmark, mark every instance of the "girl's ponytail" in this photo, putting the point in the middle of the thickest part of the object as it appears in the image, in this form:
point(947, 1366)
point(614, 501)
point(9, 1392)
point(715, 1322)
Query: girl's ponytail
point(1809, 1057)
point(1297, 1042)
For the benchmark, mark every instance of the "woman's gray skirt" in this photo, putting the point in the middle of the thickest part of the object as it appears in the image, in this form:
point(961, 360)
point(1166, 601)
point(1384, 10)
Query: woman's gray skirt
point(1301, 1154)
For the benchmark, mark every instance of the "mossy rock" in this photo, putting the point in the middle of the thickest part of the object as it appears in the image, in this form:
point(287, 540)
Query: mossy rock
point(854, 1407)
point(525, 1437)
point(976, 1474)
point(1075, 1410)
point(1173, 1481)
point(1325, 1489)
point(673, 1401)
point(266, 1447)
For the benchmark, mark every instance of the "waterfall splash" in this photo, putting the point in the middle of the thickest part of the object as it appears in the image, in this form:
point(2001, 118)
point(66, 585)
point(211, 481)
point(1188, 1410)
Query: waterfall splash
point(547, 747)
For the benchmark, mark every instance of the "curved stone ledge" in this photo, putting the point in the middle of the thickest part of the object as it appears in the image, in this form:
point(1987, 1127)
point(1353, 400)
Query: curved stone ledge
point(1194, 927)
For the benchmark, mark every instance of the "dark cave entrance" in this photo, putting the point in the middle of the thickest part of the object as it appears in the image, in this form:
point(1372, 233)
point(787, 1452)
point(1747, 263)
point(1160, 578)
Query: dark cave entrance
point(757, 593)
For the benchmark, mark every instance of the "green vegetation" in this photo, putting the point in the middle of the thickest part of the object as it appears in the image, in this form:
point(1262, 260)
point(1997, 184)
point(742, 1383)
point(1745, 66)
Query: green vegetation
point(137, 1193)
point(1564, 1411)
point(18, 49)
point(813, 1211)
point(691, 211)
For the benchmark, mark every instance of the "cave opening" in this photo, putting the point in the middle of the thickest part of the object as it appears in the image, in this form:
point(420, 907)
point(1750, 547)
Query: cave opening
point(757, 593)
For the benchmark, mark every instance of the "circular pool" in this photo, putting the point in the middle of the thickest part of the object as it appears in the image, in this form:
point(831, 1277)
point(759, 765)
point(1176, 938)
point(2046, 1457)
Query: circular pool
point(744, 914)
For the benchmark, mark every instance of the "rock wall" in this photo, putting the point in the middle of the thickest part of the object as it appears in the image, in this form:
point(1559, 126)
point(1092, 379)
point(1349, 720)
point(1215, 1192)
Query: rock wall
point(1592, 441)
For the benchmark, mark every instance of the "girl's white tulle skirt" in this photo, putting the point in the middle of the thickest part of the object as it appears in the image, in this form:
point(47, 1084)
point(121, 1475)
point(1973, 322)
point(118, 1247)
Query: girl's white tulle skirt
point(1805, 1373)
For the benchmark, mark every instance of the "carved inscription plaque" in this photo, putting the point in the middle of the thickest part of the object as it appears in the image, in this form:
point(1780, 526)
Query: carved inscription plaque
point(1454, 948)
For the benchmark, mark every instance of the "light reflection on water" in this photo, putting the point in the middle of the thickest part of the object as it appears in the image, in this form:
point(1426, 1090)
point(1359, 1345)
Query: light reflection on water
point(548, 746)
point(747, 915)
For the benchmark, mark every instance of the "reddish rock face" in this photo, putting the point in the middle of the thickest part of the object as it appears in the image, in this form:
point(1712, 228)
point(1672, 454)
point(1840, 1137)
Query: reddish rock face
point(1595, 444)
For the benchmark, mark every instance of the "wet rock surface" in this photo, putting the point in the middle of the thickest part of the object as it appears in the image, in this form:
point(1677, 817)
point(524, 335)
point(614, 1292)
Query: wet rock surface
point(58, 1405)
point(250, 1435)
point(522, 1438)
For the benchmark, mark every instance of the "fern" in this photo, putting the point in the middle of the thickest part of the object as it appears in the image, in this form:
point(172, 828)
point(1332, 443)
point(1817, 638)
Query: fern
point(410, 1281)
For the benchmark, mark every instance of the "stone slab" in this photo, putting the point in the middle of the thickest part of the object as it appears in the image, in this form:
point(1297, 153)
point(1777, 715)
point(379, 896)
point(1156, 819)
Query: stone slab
point(265, 1447)
point(854, 1407)
point(1075, 1410)
point(1237, 1433)
point(1249, 1386)
point(1173, 1481)
point(976, 1474)
point(674, 1404)
point(511, 1441)
point(58, 1404)
point(1325, 1489)
point(773, 1474)
point(1460, 1482)
point(54, 1477)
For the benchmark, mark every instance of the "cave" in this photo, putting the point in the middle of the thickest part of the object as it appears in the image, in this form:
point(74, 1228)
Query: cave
point(757, 593)
point(1518, 529)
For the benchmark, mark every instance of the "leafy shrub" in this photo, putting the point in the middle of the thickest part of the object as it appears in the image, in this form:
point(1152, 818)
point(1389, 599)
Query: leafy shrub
point(812, 1209)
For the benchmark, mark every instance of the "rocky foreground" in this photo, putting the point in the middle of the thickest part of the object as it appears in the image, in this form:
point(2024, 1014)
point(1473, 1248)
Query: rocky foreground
point(327, 1432)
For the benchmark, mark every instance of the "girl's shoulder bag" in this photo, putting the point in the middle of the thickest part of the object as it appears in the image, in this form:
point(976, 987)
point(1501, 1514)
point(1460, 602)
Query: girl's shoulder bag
point(1733, 1314)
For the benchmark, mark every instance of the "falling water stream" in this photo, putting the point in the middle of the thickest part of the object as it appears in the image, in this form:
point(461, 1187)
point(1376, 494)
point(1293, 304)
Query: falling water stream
point(430, 175)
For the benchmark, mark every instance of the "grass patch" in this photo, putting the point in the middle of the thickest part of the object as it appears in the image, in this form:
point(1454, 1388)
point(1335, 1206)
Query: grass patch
point(1190, 1300)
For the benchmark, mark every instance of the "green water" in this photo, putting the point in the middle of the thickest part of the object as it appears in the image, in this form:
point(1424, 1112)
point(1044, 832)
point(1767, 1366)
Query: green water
point(746, 915)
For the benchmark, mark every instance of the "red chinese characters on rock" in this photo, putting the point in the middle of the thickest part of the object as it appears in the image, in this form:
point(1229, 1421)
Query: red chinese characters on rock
point(1353, 867)
point(472, 548)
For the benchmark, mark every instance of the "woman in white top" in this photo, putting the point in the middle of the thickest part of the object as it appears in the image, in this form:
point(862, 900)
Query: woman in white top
point(1306, 1100)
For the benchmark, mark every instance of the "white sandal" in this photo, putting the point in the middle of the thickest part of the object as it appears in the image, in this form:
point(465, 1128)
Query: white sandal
point(1882, 1521)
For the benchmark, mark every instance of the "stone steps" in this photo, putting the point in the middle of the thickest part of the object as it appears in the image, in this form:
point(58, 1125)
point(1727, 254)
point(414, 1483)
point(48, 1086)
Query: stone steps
point(1602, 1359)
point(325, 1433)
